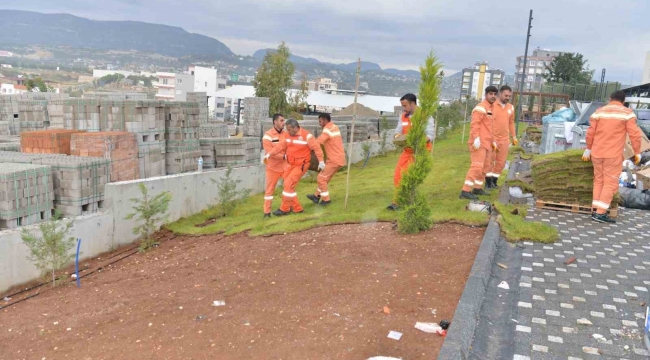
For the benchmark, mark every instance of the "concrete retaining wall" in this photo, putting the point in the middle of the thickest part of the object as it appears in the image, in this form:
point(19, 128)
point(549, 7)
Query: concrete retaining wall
point(101, 232)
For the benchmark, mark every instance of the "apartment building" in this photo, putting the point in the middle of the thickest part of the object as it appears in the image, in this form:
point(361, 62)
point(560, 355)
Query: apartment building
point(322, 84)
point(477, 78)
point(536, 67)
point(646, 69)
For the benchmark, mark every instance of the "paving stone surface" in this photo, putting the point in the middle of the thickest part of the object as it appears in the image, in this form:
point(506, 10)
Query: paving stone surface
point(592, 307)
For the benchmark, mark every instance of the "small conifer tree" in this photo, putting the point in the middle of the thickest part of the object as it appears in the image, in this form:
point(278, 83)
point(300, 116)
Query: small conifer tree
point(229, 196)
point(151, 213)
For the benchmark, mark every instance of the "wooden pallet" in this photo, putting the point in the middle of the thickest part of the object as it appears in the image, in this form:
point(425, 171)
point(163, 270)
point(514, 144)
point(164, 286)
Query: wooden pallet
point(573, 208)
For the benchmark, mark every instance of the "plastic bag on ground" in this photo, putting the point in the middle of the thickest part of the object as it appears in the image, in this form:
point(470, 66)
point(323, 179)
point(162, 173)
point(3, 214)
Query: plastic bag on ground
point(634, 198)
point(562, 115)
point(431, 328)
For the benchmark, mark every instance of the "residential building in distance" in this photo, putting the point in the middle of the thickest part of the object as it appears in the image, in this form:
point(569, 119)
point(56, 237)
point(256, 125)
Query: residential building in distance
point(166, 86)
point(7, 89)
point(322, 84)
point(536, 68)
point(183, 83)
point(646, 69)
point(479, 77)
point(6, 53)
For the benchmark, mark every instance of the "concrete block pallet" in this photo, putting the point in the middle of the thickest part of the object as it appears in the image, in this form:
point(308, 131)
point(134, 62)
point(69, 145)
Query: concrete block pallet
point(115, 95)
point(9, 143)
point(56, 141)
point(78, 181)
point(213, 130)
point(26, 194)
point(232, 152)
point(201, 98)
point(182, 148)
point(256, 110)
point(120, 147)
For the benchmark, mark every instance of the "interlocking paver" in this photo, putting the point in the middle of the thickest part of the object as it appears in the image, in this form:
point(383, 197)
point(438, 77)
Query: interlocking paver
point(558, 302)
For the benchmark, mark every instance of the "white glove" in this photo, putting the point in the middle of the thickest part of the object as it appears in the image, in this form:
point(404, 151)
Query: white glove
point(321, 166)
point(586, 156)
point(266, 158)
point(477, 143)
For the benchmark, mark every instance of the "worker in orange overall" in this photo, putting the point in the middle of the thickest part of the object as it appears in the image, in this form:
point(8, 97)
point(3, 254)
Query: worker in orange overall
point(504, 129)
point(331, 140)
point(296, 146)
point(409, 105)
point(608, 131)
point(481, 144)
point(275, 166)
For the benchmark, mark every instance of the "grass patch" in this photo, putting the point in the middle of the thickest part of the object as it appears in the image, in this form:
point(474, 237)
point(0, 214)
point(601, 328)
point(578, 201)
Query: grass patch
point(511, 219)
point(371, 190)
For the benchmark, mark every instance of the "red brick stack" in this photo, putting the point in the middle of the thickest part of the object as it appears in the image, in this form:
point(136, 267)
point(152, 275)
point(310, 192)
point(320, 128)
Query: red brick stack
point(120, 147)
point(55, 141)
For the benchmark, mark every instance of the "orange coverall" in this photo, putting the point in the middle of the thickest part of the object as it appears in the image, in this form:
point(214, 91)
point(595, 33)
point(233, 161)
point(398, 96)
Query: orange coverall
point(504, 129)
point(481, 126)
point(333, 144)
point(275, 166)
point(407, 155)
point(298, 155)
point(608, 130)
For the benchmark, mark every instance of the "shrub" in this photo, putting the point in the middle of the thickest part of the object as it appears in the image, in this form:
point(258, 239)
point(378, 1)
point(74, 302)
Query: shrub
point(151, 212)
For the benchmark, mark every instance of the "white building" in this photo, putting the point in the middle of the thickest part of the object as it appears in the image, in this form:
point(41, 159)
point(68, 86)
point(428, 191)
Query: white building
point(7, 89)
point(6, 66)
point(477, 78)
point(102, 73)
point(646, 69)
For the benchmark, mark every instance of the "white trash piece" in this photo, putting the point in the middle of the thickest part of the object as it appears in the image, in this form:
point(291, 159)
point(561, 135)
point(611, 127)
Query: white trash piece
point(478, 206)
point(430, 328)
point(516, 191)
point(218, 303)
point(395, 335)
point(504, 285)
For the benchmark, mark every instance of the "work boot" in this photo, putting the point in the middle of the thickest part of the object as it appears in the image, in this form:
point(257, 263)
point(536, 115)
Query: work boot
point(392, 207)
point(494, 183)
point(480, 192)
point(267, 215)
point(279, 212)
point(467, 195)
point(315, 199)
point(325, 203)
point(602, 218)
point(488, 182)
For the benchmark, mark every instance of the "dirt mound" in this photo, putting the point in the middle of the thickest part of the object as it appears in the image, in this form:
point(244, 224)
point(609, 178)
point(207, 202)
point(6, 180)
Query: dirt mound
point(361, 111)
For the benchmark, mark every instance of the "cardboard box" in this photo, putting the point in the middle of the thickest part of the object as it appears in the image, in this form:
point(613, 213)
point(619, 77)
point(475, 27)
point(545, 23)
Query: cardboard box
point(643, 179)
point(645, 146)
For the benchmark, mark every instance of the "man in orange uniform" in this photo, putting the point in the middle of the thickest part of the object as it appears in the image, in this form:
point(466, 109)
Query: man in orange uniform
point(608, 130)
point(275, 165)
point(409, 105)
point(504, 129)
point(296, 147)
point(331, 140)
point(481, 144)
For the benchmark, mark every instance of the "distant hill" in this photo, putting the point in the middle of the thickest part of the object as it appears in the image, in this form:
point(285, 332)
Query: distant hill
point(31, 28)
point(407, 73)
point(365, 66)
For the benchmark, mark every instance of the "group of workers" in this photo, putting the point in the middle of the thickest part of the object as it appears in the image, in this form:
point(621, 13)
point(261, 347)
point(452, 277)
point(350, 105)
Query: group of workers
point(492, 131)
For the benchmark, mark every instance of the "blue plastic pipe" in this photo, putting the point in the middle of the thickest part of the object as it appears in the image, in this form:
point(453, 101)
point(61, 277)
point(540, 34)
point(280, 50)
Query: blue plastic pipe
point(76, 265)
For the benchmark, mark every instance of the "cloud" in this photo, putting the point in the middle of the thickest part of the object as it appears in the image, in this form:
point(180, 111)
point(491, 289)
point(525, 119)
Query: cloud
point(400, 34)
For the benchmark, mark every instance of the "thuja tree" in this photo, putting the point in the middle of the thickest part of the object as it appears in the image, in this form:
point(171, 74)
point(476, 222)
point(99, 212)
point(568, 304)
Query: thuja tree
point(416, 216)
point(150, 213)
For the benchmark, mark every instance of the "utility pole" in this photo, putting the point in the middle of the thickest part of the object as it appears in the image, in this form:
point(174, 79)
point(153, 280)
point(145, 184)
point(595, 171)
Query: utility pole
point(602, 82)
point(523, 70)
point(350, 146)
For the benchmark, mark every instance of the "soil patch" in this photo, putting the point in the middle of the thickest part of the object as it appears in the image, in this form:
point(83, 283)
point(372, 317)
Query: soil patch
point(318, 294)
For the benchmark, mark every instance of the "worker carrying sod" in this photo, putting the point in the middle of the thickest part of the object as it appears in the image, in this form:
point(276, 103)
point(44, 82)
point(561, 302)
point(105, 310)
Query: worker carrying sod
point(296, 148)
point(276, 165)
point(504, 130)
point(481, 144)
point(331, 140)
point(608, 130)
point(409, 106)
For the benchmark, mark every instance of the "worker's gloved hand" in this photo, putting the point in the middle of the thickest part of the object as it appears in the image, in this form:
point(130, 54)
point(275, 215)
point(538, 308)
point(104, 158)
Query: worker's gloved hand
point(586, 156)
point(266, 158)
point(477, 143)
point(396, 135)
point(321, 166)
point(515, 142)
point(637, 159)
point(495, 147)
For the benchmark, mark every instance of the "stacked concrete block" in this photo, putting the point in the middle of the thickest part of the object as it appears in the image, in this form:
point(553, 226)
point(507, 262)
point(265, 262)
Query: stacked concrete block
point(398, 110)
point(5, 128)
point(361, 130)
point(120, 147)
point(32, 115)
point(26, 194)
point(147, 120)
point(207, 153)
point(182, 148)
point(213, 130)
point(233, 130)
point(56, 141)
point(10, 143)
point(115, 95)
point(75, 114)
point(256, 110)
point(236, 151)
point(201, 98)
point(78, 181)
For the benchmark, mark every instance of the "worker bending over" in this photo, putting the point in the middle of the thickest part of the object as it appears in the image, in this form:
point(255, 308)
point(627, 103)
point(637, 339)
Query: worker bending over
point(409, 105)
point(331, 140)
point(608, 131)
point(504, 129)
point(296, 146)
point(276, 165)
point(481, 144)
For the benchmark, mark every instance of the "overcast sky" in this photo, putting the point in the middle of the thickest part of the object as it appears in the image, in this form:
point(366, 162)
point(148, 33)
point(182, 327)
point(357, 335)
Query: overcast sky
point(611, 34)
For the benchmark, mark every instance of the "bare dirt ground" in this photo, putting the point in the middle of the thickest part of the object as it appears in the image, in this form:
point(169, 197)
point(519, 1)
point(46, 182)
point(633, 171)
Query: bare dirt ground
point(318, 294)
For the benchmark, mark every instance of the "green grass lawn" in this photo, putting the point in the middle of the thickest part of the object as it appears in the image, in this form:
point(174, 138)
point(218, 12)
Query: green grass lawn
point(371, 190)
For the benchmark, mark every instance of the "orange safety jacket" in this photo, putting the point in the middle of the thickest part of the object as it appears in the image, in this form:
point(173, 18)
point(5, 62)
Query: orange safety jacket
point(482, 124)
point(608, 127)
point(504, 121)
point(297, 148)
point(270, 140)
point(331, 140)
point(405, 125)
